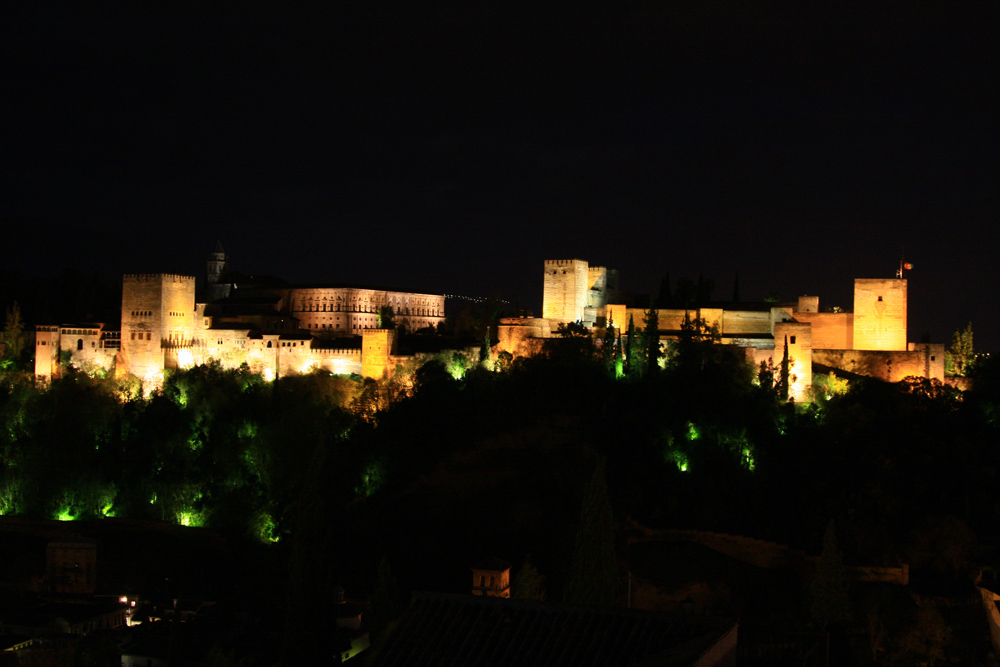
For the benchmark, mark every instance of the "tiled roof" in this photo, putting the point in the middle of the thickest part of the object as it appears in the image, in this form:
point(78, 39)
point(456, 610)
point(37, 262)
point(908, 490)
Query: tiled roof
point(469, 631)
point(492, 563)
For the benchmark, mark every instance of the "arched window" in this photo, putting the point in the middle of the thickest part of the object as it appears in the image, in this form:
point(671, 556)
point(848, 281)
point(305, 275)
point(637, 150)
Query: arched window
point(79, 343)
point(269, 343)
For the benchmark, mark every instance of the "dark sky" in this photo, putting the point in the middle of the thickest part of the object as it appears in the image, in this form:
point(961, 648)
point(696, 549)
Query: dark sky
point(453, 148)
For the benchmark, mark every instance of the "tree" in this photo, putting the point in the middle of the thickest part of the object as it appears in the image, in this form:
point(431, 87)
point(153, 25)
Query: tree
point(664, 296)
point(13, 336)
point(960, 353)
point(830, 603)
point(528, 583)
point(784, 381)
point(629, 339)
point(593, 575)
point(387, 603)
point(573, 330)
point(651, 333)
point(386, 317)
point(608, 348)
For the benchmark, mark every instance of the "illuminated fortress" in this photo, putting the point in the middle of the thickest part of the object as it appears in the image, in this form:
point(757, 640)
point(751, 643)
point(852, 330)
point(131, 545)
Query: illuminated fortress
point(277, 328)
point(869, 341)
point(273, 327)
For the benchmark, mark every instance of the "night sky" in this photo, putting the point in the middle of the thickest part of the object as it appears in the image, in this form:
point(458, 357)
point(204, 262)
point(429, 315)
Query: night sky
point(453, 148)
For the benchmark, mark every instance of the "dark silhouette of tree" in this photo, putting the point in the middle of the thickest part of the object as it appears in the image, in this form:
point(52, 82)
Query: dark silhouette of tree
point(651, 335)
point(13, 337)
point(386, 317)
point(528, 583)
point(664, 296)
point(830, 603)
point(593, 574)
point(629, 345)
point(608, 348)
point(311, 571)
point(686, 292)
point(784, 382)
point(387, 602)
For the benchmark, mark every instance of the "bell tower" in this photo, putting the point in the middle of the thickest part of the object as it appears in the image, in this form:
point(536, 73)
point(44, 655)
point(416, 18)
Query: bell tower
point(215, 268)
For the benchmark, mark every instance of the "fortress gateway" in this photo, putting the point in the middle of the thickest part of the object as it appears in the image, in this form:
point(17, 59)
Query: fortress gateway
point(272, 326)
point(870, 341)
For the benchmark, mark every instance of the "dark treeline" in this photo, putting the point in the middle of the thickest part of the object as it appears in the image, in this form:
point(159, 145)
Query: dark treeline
point(703, 442)
point(696, 439)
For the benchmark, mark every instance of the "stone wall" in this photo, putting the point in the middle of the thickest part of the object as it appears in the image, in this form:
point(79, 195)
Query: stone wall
point(376, 346)
point(46, 352)
point(746, 322)
point(879, 314)
point(616, 313)
point(565, 288)
point(522, 336)
point(891, 366)
point(602, 284)
point(347, 311)
point(156, 309)
point(830, 331)
point(798, 336)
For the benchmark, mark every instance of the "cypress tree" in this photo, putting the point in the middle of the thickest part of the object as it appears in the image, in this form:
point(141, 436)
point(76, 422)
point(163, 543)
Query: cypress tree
point(593, 574)
point(629, 338)
point(651, 333)
point(830, 603)
point(783, 380)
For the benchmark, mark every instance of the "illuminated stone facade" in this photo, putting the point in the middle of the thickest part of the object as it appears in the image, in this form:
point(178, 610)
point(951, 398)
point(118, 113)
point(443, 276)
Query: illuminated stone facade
point(880, 314)
point(157, 313)
point(869, 341)
point(565, 289)
point(347, 311)
point(274, 328)
point(90, 347)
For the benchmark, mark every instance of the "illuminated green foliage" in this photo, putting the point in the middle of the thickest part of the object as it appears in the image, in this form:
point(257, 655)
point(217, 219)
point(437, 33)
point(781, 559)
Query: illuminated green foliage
point(960, 353)
point(371, 478)
point(693, 433)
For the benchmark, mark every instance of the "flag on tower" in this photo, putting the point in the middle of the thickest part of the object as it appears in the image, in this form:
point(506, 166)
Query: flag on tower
point(908, 266)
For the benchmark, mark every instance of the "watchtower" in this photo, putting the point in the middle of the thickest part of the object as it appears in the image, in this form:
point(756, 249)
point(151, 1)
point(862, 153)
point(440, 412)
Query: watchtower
point(880, 314)
point(565, 289)
point(157, 312)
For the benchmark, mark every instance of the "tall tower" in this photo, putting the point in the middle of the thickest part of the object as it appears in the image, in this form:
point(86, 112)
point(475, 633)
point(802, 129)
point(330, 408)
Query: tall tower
point(880, 314)
point(157, 313)
point(215, 268)
point(565, 289)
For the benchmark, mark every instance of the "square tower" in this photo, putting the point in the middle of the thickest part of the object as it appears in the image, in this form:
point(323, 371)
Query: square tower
point(798, 338)
point(565, 289)
point(880, 314)
point(157, 313)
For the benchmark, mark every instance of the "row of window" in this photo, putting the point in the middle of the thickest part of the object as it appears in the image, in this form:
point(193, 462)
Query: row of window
point(335, 308)
point(140, 313)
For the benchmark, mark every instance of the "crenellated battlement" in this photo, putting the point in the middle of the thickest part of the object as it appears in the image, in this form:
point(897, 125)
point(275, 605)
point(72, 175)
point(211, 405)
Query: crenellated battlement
point(155, 277)
point(562, 262)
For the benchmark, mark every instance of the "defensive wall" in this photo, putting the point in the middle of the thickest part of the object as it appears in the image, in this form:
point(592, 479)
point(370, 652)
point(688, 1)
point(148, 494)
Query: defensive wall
point(164, 328)
point(922, 360)
point(89, 347)
point(871, 340)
